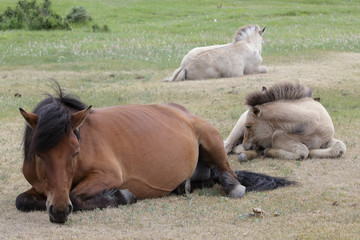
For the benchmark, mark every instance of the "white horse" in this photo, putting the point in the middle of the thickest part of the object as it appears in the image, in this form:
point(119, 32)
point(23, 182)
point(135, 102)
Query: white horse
point(287, 123)
point(243, 56)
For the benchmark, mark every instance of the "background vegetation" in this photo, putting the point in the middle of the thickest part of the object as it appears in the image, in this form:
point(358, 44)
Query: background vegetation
point(156, 34)
point(312, 42)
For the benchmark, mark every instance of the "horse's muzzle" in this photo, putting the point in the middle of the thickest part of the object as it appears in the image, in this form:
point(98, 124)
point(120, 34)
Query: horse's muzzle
point(59, 215)
point(247, 146)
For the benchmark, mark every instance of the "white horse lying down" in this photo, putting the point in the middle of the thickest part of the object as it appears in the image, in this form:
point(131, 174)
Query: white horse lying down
point(229, 60)
point(287, 123)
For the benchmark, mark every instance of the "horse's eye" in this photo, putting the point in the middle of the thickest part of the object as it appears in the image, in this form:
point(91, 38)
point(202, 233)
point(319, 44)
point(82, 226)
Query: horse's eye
point(248, 127)
point(75, 155)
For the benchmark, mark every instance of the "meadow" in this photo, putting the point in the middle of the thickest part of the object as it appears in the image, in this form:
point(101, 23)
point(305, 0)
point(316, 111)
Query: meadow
point(316, 43)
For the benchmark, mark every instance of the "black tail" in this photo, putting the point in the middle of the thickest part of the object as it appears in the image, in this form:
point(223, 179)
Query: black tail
point(255, 181)
point(261, 182)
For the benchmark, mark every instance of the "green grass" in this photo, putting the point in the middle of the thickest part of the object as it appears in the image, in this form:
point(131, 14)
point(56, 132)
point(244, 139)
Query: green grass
point(157, 34)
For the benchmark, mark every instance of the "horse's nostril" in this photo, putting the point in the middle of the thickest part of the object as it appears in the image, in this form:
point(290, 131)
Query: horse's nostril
point(59, 214)
point(68, 209)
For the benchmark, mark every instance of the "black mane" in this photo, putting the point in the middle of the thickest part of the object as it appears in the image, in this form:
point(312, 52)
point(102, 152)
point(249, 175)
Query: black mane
point(280, 91)
point(54, 114)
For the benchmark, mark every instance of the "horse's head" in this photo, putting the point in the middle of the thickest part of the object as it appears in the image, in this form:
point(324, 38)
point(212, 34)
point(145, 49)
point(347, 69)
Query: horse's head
point(263, 117)
point(258, 132)
point(54, 148)
point(252, 34)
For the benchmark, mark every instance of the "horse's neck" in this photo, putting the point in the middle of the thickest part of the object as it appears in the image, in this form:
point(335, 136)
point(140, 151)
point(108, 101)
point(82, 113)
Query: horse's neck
point(255, 43)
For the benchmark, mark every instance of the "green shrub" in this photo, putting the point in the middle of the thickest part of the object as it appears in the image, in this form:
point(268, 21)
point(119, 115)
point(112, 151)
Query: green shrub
point(32, 16)
point(96, 28)
point(11, 19)
point(77, 15)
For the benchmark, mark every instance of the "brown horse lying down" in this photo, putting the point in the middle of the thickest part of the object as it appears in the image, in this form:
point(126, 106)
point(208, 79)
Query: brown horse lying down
point(286, 122)
point(76, 158)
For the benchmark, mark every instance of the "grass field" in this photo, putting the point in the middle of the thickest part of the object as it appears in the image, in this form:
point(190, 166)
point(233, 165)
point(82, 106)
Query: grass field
point(311, 42)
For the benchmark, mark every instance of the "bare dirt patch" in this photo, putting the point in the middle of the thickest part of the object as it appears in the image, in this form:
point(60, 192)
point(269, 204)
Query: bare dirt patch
point(325, 204)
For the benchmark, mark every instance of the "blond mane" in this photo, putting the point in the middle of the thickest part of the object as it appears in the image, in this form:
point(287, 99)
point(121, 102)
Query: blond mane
point(245, 31)
point(280, 91)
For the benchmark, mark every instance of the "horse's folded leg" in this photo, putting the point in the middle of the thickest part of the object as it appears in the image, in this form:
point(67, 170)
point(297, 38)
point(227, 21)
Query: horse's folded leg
point(30, 201)
point(236, 134)
point(282, 154)
point(231, 185)
point(107, 198)
point(334, 149)
point(184, 188)
point(263, 69)
point(286, 147)
point(248, 155)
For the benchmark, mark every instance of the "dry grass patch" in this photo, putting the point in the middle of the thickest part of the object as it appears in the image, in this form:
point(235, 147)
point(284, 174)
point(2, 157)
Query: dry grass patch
point(324, 205)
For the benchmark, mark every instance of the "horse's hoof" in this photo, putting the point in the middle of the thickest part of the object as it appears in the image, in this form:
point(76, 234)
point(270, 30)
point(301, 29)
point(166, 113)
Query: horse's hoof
point(130, 197)
point(125, 196)
point(238, 191)
point(339, 149)
point(242, 157)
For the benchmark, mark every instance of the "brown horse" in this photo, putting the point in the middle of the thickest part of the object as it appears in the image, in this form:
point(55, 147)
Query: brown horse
point(76, 158)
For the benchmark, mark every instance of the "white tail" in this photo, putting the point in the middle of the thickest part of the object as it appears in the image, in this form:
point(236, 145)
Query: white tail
point(178, 75)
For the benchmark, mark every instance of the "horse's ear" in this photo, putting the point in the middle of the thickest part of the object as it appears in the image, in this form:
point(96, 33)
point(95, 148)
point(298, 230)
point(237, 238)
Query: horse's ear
point(264, 89)
point(78, 118)
point(256, 111)
point(262, 30)
point(30, 118)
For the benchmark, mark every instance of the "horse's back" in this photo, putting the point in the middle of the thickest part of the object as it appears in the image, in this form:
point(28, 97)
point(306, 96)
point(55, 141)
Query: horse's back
point(302, 110)
point(143, 145)
point(215, 61)
point(208, 53)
